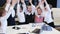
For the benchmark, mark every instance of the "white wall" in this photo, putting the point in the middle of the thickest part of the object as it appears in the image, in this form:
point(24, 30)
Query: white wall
point(58, 3)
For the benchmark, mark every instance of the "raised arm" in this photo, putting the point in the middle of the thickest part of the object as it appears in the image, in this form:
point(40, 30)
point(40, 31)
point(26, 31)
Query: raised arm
point(33, 7)
point(24, 5)
point(13, 5)
point(41, 4)
point(7, 4)
point(18, 7)
point(31, 4)
point(47, 6)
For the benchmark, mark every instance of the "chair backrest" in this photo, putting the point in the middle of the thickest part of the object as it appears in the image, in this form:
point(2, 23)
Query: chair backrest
point(56, 14)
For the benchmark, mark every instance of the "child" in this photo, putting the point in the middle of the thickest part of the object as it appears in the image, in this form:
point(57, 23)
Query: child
point(47, 14)
point(38, 16)
point(20, 13)
point(29, 12)
point(11, 19)
point(49, 17)
point(3, 20)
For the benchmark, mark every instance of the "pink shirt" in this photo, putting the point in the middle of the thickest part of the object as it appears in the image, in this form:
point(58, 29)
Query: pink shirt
point(38, 19)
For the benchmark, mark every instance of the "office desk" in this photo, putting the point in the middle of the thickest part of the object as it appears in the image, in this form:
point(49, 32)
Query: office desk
point(28, 28)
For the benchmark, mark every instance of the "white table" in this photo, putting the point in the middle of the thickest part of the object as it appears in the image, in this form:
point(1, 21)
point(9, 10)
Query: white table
point(28, 29)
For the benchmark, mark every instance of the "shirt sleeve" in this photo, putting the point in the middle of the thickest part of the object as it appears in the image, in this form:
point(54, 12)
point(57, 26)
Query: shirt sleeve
point(18, 8)
point(24, 8)
point(48, 8)
point(13, 13)
point(33, 8)
point(42, 7)
point(12, 10)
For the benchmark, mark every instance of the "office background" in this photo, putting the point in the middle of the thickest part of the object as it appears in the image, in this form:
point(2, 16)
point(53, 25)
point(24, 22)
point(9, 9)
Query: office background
point(54, 3)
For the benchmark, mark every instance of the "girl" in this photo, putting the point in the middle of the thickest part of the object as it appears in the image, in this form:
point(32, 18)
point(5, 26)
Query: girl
point(38, 16)
point(3, 20)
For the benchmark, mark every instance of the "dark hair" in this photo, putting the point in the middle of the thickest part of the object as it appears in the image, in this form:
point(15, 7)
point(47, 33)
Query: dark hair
point(1, 11)
point(28, 4)
point(21, 7)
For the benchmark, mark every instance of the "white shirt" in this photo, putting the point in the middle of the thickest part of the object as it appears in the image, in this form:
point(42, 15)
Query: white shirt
point(8, 7)
point(3, 21)
point(21, 16)
point(47, 14)
point(12, 11)
point(32, 12)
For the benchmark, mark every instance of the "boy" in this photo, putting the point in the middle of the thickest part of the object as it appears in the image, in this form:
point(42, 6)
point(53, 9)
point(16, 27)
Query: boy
point(29, 12)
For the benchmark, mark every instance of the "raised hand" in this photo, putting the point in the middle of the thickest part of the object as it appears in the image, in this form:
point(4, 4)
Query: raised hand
point(30, 1)
point(8, 1)
point(14, 2)
point(42, 1)
point(7, 5)
point(45, 2)
point(22, 1)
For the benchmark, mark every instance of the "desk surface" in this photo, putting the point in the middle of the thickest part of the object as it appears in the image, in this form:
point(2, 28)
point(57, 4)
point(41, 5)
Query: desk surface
point(28, 29)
